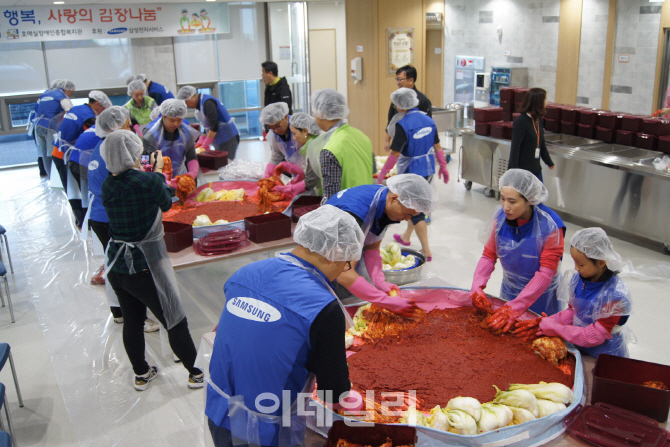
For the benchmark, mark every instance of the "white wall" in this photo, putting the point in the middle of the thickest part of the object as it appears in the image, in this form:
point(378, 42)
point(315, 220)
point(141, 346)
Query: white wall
point(331, 15)
point(592, 52)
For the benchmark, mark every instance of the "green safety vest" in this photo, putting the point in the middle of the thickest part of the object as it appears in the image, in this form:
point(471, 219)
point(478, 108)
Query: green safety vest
point(141, 114)
point(353, 150)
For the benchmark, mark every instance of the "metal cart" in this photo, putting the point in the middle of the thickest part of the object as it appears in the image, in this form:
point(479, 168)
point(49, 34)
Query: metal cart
point(476, 160)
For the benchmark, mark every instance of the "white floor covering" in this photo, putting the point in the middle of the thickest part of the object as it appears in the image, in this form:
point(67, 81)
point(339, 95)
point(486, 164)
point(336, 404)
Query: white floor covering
point(74, 374)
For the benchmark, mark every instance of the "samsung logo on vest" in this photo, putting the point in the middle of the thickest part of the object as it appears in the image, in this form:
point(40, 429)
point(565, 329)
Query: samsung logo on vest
point(253, 309)
point(422, 133)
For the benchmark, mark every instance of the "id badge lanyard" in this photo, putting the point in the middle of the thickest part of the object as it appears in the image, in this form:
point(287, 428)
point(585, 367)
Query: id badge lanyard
point(537, 132)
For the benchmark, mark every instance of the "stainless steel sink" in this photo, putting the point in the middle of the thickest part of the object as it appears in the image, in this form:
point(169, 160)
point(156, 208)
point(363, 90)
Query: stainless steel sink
point(554, 137)
point(607, 148)
point(630, 153)
point(578, 142)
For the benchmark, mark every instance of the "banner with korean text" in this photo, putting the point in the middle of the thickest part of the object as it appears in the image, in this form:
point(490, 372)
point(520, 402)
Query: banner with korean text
point(41, 23)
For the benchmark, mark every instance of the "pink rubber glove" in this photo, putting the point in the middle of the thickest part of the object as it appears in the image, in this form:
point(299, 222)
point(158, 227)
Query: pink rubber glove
point(285, 166)
point(532, 291)
point(374, 264)
point(137, 130)
point(200, 140)
point(173, 183)
point(482, 274)
point(269, 170)
point(564, 317)
point(390, 162)
point(442, 172)
point(366, 291)
point(193, 168)
point(293, 189)
point(206, 143)
point(592, 335)
point(351, 403)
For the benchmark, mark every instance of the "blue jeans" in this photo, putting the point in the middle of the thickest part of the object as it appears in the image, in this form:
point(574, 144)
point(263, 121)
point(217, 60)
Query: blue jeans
point(539, 175)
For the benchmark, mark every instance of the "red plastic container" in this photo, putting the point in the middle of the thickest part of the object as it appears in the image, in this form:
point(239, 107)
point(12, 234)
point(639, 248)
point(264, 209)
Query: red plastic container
point(213, 159)
point(605, 134)
point(664, 144)
point(588, 117)
point(507, 94)
point(610, 120)
point(507, 116)
point(646, 141)
point(569, 114)
point(663, 127)
point(483, 128)
point(569, 127)
point(268, 227)
point(520, 94)
point(585, 130)
point(618, 381)
point(625, 137)
point(517, 106)
point(311, 202)
point(220, 242)
point(650, 126)
point(515, 115)
point(488, 114)
point(196, 126)
point(178, 236)
point(372, 435)
point(552, 125)
point(631, 122)
point(507, 106)
point(554, 112)
point(501, 129)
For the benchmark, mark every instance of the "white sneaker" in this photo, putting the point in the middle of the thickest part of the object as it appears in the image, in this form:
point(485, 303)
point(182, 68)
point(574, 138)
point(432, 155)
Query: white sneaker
point(150, 325)
point(142, 382)
point(118, 320)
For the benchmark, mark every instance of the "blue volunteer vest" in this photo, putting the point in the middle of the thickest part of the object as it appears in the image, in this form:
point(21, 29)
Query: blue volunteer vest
point(49, 106)
point(161, 90)
point(262, 344)
point(227, 128)
point(420, 130)
point(72, 126)
point(97, 173)
point(176, 149)
point(84, 146)
point(358, 200)
point(524, 260)
point(585, 296)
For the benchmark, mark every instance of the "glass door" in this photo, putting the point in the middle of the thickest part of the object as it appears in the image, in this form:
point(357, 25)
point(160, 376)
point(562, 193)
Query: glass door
point(665, 72)
point(288, 42)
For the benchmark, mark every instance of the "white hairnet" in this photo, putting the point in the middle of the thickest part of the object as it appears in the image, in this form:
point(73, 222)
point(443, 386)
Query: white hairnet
point(130, 79)
point(330, 232)
point(186, 92)
point(595, 244)
point(329, 104)
point(155, 113)
point(526, 184)
point(273, 113)
point(136, 85)
point(303, 120)
point(99, 96)
point(121, 150)
point(173, 108)
point(414, 192)
point(142, 77)
point(65, 84)
point(111, 119)
point(405, 98)
point(55, 84)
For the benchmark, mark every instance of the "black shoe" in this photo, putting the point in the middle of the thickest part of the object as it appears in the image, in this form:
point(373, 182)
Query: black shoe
point(142, 382)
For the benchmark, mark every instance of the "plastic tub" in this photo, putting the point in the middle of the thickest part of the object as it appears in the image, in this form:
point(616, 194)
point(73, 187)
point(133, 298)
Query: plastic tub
point(178, 236)
point(569, 127)
point(268, 227)
point(569, 114)
point(664, 144)
point(588, 117)
point(213, 159)
point(507, 116)
point(610, 120)
point(301, 202)
point(554, 112)
point(371, 435)
point(631, 122)
point(507, 106)
point(483, 128)
point(520, 94)
point(646, 141)
point(497, 129)
point(618, 381)
point(605, 134)
point(507, 94)
point(625, 137)
point(488, 114)
point(552, 125)
point(650, 126)
point(585, 130)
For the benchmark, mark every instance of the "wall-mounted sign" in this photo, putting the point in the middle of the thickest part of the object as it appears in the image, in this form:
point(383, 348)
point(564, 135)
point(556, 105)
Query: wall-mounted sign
point(76, 22)
point(507, 53)
point(400, 48)
point(285, 52)
point(623, 58)
point(359, 48)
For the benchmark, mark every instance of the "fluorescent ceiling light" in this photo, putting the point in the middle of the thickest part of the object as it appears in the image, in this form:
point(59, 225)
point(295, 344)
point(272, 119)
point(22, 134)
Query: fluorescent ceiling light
point(58, 3)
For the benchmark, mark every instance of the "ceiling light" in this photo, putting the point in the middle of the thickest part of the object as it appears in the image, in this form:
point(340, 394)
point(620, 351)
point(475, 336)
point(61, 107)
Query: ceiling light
point(58, 3)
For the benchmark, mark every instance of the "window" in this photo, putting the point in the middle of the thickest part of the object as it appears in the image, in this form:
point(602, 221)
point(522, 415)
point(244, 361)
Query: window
point(243, 101)
point(19, 113)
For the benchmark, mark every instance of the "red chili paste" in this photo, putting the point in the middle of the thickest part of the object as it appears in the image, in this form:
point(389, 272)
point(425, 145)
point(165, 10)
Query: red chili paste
point(449, 355)
point(230, 211)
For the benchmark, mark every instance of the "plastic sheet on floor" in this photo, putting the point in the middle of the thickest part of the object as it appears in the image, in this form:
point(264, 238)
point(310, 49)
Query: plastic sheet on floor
point(85, 345)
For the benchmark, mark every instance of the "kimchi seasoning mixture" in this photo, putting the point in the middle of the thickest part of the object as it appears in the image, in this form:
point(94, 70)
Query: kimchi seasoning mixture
point(230, 211)
point(449, 355)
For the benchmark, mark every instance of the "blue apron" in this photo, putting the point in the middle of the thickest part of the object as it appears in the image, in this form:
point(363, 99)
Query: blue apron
point(289, 148)
point(227, 127)
point(162, 90)
point(48, 107)
point(83, 147)
point(519, 250)
point(97, 173)
point(72, 126)
point(590, 302)
point(368, 203)
point(418, 156)
point(176, 149)
point(262, 347)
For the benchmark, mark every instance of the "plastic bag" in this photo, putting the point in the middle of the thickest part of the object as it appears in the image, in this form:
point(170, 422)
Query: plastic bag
point(662, 164)
point(240, 169)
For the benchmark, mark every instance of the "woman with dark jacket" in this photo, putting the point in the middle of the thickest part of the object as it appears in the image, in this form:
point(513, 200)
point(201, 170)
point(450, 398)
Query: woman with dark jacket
point(528, 144)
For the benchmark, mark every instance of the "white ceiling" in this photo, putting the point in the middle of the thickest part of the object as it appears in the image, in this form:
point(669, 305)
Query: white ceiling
point(97, 2)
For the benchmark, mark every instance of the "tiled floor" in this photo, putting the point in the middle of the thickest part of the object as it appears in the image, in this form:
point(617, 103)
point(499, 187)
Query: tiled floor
point(73, 371)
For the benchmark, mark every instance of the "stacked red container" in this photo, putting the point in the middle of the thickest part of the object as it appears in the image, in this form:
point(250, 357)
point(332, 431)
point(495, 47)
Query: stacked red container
point(519, 96)
point(631, 122)
point(585, 130)
point(484, 116)
point(502, 130)
point(625, 137)
point(507, 94)
point(605, 134)
point(610, 120)
point(507, 116)
point(664, 144)
point(552, 125)
point(554, 111)
point(646, 141)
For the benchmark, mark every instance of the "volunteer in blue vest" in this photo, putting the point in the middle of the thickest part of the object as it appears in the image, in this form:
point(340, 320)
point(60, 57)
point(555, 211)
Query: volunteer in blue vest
point(156, 91)
point(344, 152)
point(140, 104)
point(112, 119)
point(75, 122)
point(173, 138)
point(527, 237)
point(598, 300)
point(220, 130)
point(51, 107)
point(414, 147)
point(375, 207)
point(283, 146)
point(281, 329)
point(77, 172)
